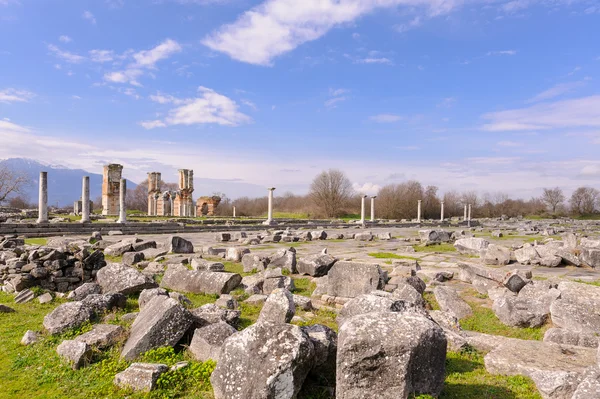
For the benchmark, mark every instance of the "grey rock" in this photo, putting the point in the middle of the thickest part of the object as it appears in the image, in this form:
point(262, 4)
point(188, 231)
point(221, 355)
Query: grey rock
point(147, 295)
point(589, 387)
point(572, 310)
point(227, 302)
point(252, 262)
point(285, 259)
point(6, 309)
point(432, 237)
point(568, 337)
point(472, 246)
point(390, 355)
point(180, 278)
point(200, 264)
point(235, 254)
point(556, 384)
point(83, 291)
point(132, 258)
point(30, 338)
point(302, 302)
point(119, 248)
point(76, 353)
point(140, 376)
point(351, 279)
point(24, 296)
point(520, 312)
point(370, 303)
point(451, 302)
point(123, 279)
point(211, 314)
point(526, 255)
point(256, 299)
point(207, 341)
point(178, 245)
point(497, 255)
point(66, 316)
point(279, 307)
point(363, 237)
point(316, 265)
point(591, 256)
point(45, 298)
point(163, 321)
point(102, 335)
point(264, 361)
point(324, 340)
point(407, 293)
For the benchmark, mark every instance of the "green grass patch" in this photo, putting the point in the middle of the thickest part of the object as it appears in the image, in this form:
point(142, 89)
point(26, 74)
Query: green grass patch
point(201, 299)
point(249, 314)
point(596, 283)
point(113, 259)
point(435, 248)
point(389, 255)
point(320, 316)
point(304, 286)
point(36, 241)
point(431, 301)
point(485, 321)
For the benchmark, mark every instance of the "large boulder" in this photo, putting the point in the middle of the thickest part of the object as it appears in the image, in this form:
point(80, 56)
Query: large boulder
point(527, 255)
point(589, 387)
point(162, 322)
point(351, 279)
point(390, 355)
point(102, 335)
point(573, 310)
point(253, 262)
point(316, 265)
point(279, 307)
point(371, 303)
point(432, 237)
point(208, 340)
point(591, 256)
point(178, 245)
point(235, 254)
point(497, 255)
point(119, 248)
point(123, 279)
point(472, 246)
point(180, 278)
point(83, 291)
point(77, 353)
point(324, 340)
point(264, 361)
point(285, 259)
point(147, 295)
point(450, 301)
point(211, 314)
point(140, 376)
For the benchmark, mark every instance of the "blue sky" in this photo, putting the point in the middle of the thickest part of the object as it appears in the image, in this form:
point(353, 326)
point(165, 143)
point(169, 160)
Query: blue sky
point(469, 95)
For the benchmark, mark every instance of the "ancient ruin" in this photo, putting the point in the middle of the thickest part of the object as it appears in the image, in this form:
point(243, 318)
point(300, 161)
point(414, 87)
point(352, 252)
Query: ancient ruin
point(111, 182)
point(154, 193)
point(183, 205)
point(206, 206)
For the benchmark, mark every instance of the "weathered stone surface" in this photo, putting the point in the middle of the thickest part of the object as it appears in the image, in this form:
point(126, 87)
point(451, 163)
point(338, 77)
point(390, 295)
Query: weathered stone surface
point(324, 340)
point(302, 302)
point(577, 338)
point(253, 262)
point(515, 281)
point(272, 283)
point(450, 301)
point(178, 245)
point(285, 259)
point(24, 296)
point(222, 237)
point(351, 279)
point(207, 341)
point(45, 298)
point(200, 264)
point(102, 335)
point(123, 279)
point(180, 278)
point(140, 376)
point(591, 256)
point(264, 361)
point(390, 355)
point(316, 265)
point(163, 321)
point(526, 255)
point(519, 312)
point(76, 353)
point(573, 310)
point(147, 295)
point(211, 314)
point(118, 248)
point(556, 384)
point(68, 315)
point(131, 258)
point(371, 303)
point(83, 291)
point(30, 337)
point(152, 253)
point(235, 254)
point(256, 299)
point(472, 246)
point(452, 329)
point(409, 295)
point(363, 237)
point(497, 255)
point(279, 307)
point(227, 302)
point(589, 387)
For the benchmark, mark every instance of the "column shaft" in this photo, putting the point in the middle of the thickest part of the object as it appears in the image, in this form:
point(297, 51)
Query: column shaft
point(122, 194)
point(43, 198)
point(85, 199)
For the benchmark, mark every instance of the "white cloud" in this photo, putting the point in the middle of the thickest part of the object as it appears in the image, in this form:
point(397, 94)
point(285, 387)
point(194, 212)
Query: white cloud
point(502, 52)
point(413, 23)
point(210, 108)
point(74, 97)
point(276, 27)
point(67, 56)
point(331, 103)
point(573, 113)
point(102, 56)
point(9, 127)
point(126, 76)
point(250, 104)
point(89, 16)
point(165, 99)
point(148, 58)
point(385, 118)
point(381, 60)
point(65, 39)
point(556, 91)
point(366, 188)
point(11, 95)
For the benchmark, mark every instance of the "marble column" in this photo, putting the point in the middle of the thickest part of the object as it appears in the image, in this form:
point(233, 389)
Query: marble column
point(465, 216)
point(362, 209)
point(419, 211)
point(373, 208)
point(442, 212)
point(122, 194)
point(234, 211)
point(270, 209)
point(43, 198)
point(85, 199)
point(469, 214)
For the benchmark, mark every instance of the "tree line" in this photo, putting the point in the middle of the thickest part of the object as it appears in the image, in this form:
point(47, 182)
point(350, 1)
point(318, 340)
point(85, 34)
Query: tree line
point(331, 195)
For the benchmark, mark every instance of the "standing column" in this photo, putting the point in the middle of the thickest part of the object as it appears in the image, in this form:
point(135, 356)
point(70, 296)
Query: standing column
point(270, 209)
point(85, 200)
point(43, 198)
point(362, 209)
point(122, 210)
point(469, 215)
point(419, 211)
point(465, 217)
point(442, 212)
point(373, 208)
point(234, 211)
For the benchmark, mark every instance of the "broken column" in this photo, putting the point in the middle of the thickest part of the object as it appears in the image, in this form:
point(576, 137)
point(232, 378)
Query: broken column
point(373, 208)
point(270, 206)
point(465, 216)
point(419, 211)
point(469, 214)
point(122, 210)
point(43, 198)
point(110, 189)
point(153, 192)
point(183, 203)
point(442, 212)
point(85, 199)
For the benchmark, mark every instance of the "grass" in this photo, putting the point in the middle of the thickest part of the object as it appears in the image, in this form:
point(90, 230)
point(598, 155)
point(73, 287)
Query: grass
point(113, 259)
point(485, 321)
point(431, 301)
point(304, 286)
point(389, 255)
point(596, 283)
point(435, 248)
point(321, 316)
point(36, 241)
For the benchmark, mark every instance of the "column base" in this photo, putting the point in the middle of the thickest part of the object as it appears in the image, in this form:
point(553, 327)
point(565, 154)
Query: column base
point(268, 222)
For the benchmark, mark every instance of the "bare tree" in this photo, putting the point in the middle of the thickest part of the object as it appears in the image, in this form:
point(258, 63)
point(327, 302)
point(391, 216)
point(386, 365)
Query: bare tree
point(11, 182)
point(330, 191)
point(431, 203)
point(399, 201)
point(137, 199)
point(553, 197)
point(584, 200)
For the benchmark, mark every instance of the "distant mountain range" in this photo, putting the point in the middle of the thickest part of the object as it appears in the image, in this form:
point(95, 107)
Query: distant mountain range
point(64, 185)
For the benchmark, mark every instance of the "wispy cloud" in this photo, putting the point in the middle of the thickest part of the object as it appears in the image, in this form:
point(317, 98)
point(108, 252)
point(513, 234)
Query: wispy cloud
point(380, 60)
point(65, 39)
point(366, 188)
point(11, 95)
point(385, 118)
point(413, 23)
point(209, 108)
point(338, 96)
point(556, 91)
point(66, 56)
point(502, 52)
point(87, 15)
